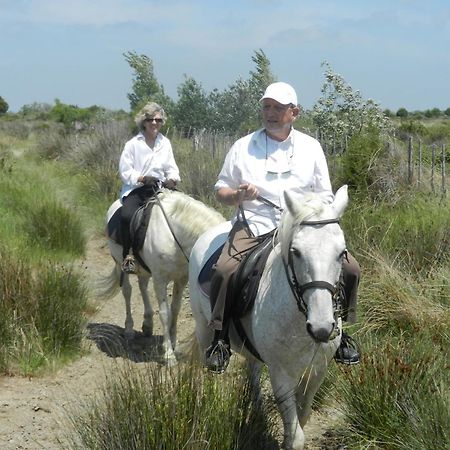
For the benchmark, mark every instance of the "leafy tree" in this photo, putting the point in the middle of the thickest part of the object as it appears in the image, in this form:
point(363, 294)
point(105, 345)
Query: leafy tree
point(402, 112)
point(192, 109)
point(341, 112)
point(262, 76)
point(36, 110)
point(233, 108)
point(145, 85)
point(237, 108)
point(3, 106)
point(447, 112)
point(433, 113)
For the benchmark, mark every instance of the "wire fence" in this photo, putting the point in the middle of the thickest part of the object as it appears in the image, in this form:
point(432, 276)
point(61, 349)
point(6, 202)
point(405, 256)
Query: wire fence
point(425, 163)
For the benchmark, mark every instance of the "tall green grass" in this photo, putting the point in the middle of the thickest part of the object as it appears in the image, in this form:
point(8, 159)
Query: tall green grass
point(398, 397)
point(43, 297)
point(41, 312)
point(162, 408)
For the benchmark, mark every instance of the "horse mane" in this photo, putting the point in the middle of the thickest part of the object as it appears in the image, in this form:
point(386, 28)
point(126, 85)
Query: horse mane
point(311, 205)
point(195, 216)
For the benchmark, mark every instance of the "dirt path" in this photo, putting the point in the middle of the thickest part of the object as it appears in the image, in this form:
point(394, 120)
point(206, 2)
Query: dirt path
point(33, 411)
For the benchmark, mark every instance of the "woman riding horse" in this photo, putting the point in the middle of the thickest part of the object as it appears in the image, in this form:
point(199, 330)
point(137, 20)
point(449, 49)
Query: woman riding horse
point(146, 162)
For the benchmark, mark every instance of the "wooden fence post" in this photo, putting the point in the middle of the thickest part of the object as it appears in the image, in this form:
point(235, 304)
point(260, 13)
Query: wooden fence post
point(419, 170)
point(433, 164)
point(410, 160)
point(444, 189)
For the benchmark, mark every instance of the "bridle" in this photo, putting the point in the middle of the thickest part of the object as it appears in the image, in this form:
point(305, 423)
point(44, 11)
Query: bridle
point(298, 289)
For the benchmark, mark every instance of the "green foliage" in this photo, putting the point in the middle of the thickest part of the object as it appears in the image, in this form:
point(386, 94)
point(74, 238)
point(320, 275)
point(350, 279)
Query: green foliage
point(54, 227)
point(36, 111)
point(414, 230)
point(402, 112)
point(3, 106)
point(41, 312)
point(192, 110)
point(145, 86)
point(398, 397)
point(70, 114)
point(341, 112)
point(358, 160)
point(184, 408)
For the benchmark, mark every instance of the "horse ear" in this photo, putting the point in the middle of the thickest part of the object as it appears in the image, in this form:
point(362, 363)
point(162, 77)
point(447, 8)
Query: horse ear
point(341, 200)
point(291, 203)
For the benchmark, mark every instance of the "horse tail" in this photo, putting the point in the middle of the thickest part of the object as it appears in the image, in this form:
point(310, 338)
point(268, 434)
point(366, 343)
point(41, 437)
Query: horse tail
point(109, 285)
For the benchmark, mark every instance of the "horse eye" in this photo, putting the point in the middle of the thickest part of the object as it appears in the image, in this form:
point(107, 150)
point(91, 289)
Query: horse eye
point(295, 252)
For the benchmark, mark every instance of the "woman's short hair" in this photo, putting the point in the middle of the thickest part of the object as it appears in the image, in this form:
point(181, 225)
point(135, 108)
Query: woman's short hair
point(147, 112)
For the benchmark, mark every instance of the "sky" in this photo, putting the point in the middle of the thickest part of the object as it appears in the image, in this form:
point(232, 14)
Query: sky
point(396, 52)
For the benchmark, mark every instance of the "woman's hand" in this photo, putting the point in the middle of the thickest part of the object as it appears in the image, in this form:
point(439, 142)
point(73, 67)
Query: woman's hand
point(147, 180)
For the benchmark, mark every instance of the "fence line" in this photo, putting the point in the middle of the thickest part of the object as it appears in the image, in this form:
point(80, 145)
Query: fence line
point(219, 142)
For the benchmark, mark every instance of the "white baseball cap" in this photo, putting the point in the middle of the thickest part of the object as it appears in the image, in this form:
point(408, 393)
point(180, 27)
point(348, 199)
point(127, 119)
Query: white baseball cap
point(281, 92)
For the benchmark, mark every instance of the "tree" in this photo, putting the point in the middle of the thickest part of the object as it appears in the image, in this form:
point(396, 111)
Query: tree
point(263, 75)
point(3, 106)
point(145, 85)
point(237, 108)
point(402, 112)
point(192, 109)
point(342, 112)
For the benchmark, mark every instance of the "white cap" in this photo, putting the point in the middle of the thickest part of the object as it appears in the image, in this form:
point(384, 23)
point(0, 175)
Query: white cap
point(281, 92)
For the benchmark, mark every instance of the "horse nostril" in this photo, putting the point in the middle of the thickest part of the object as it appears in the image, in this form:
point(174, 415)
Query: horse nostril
point(321, 334)
point(309, 329)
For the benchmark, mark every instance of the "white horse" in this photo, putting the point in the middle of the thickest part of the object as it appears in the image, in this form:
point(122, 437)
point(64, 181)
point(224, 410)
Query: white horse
point(294, 324)
point(176, 222)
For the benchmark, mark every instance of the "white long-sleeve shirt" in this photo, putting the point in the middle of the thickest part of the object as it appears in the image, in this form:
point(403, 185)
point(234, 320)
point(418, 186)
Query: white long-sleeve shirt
point(297, 164)
point(138, 159)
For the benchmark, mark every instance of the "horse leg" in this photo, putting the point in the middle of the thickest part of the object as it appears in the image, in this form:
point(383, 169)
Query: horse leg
point(177, 294)
point(254, 369)
point(284, 389)
point(165, 317)
point(306, 391)
point(126, 292)
point(147, 324)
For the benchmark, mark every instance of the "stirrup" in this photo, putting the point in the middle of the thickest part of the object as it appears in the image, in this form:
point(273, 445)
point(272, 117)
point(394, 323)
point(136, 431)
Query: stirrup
point(218, 356)
point(348, 351)
point(129, 265)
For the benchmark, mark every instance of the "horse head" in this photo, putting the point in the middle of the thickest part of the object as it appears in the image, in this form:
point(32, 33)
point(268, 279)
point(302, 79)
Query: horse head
point(313, 247)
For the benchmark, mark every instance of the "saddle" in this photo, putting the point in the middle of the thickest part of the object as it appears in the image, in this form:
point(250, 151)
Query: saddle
point(243, 285)
point(138, 228)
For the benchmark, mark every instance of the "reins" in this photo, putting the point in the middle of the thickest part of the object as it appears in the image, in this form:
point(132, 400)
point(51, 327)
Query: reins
point(170, 227)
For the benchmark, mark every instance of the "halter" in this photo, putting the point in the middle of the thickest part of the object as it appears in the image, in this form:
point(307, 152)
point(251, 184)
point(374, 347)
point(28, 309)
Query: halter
point(298, 290)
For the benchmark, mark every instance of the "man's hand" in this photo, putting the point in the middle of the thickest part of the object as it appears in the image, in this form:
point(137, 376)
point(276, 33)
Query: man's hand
point(246, 191)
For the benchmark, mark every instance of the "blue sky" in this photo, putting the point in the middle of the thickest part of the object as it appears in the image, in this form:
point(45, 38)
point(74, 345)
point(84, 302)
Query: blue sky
point(396, 52)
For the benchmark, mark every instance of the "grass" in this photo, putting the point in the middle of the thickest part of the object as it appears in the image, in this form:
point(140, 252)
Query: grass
point(398, 397)
point(42, 313)
point(162, 408)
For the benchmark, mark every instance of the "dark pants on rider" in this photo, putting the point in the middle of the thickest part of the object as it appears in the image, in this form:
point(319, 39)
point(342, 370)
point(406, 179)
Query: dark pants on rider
point(130, 204)
point(239, 243)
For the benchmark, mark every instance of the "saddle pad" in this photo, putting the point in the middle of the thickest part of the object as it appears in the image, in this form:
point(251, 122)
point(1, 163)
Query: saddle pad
point(113, 227)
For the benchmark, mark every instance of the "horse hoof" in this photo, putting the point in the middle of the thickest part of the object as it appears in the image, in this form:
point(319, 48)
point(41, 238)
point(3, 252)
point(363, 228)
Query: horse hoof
point(147, 331)
point(171, 360)
point(129, 334)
